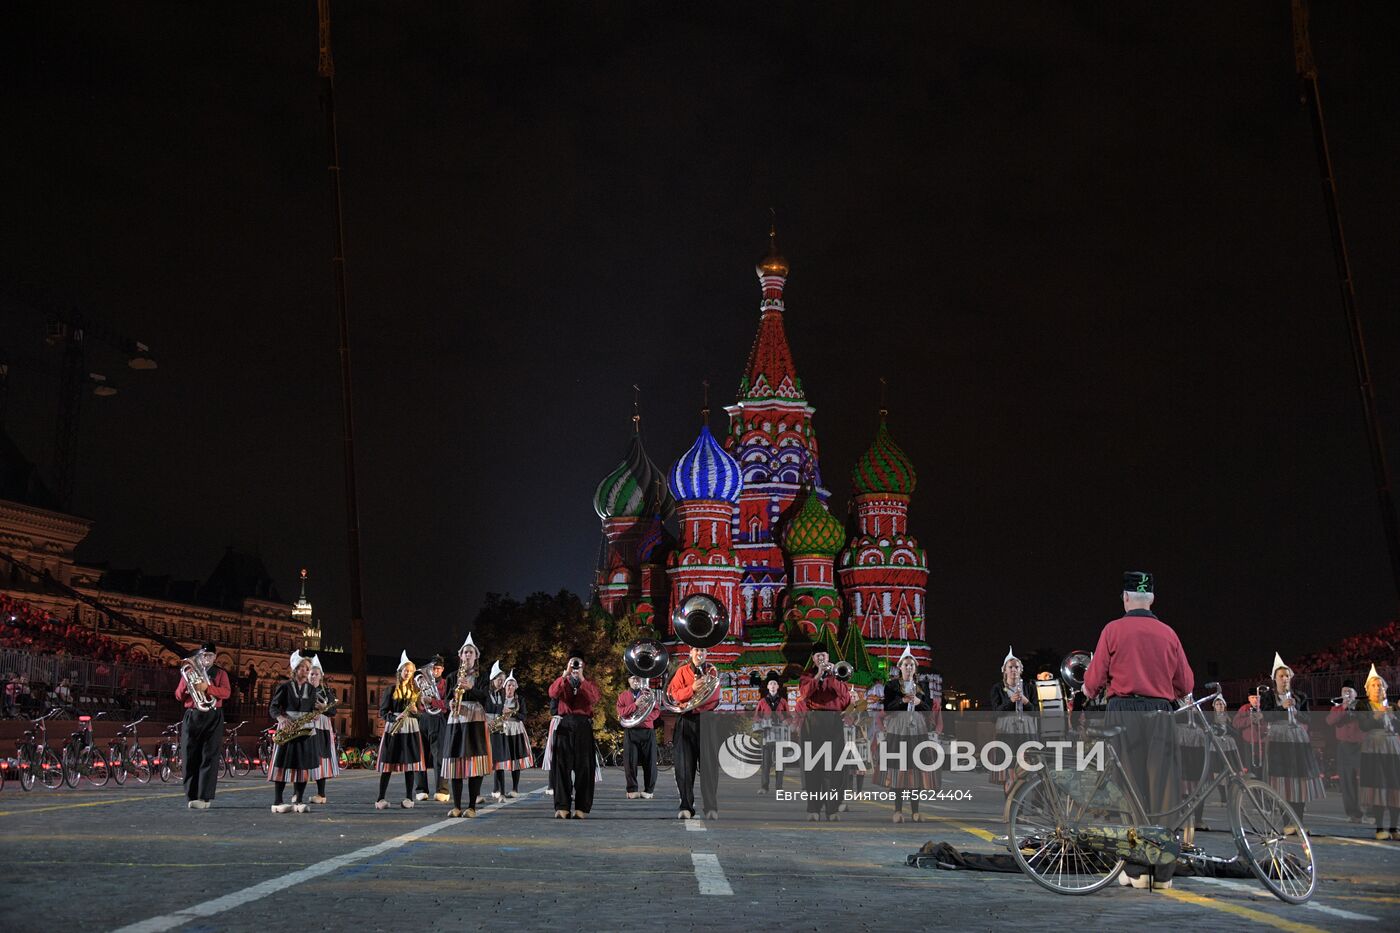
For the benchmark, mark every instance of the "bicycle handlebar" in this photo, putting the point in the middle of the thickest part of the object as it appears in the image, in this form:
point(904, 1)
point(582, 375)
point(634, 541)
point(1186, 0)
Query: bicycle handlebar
point(132, 725)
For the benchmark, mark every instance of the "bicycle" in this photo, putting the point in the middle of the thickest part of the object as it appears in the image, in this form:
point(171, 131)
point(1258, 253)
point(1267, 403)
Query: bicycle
point(82, 758)
point(665, 756)
point(1061, 826)
point(126, 756)
point(236, 762)
point(266, 747)
point(168, 753)
point(35, 760)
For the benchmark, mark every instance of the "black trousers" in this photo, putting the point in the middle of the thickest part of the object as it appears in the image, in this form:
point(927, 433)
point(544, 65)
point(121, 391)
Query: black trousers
point(823, 729)
point(1147, 748)
point(571, 768)
point(201, 737)
point(641, 750)
point(431, 727)
point(697, 739)
point(770, 764)
point(1349, 773)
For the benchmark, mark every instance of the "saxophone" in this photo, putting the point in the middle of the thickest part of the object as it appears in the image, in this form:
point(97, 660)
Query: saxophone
point(497, 724)
point(409, 712)
point(465, 679)
point(298, 728)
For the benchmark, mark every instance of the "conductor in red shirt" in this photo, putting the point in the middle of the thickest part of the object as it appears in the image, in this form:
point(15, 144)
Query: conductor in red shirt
point(1141, 667)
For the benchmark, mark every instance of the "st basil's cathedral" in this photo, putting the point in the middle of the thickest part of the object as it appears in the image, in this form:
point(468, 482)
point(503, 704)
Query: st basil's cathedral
point(755, 532)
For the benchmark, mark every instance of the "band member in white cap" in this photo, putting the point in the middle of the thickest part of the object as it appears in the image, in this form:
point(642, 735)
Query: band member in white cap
point(510, 744)
point(401, 746)
point(1140, 666)
point(1380, 758)
point(1290, 765)
point(908, 712)
point(1018, 726)
point(328, 760)
point(466, 746)
point(294, 759)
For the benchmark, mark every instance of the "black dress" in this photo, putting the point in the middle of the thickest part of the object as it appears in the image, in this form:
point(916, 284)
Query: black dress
point(403, 749)
point(1289, 761)
point(1014, 729)
point(510, 747)
point(903, 730)
point(297, 760)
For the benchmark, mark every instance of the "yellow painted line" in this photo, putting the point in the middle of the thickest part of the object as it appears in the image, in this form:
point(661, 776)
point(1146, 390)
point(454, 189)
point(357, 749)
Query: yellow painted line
point(107, 803)
point(1247, 913)
point(982, 834)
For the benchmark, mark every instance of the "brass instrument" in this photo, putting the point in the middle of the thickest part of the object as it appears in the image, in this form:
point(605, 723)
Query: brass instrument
point(298, 728)
point(1074, 667)
point(701, 621)
point(497, 724)
point(843, 670)
point(465, 681)
point(426, 683)
point(645, 658)
point(196, 677)
point(409, 711)
point(910, 691)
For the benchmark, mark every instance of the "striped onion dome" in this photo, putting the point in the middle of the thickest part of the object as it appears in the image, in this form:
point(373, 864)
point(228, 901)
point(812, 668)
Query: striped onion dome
point(813, 530)
point(884, 467)
point(705, 471)
point(634, 489)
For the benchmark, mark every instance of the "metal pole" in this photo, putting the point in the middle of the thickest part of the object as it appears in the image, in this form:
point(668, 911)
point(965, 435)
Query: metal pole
point(1312, 99)
point(359, 725)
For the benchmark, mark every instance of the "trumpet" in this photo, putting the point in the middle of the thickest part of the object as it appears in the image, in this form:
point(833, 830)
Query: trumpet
point(196, 677)
point(842, 669)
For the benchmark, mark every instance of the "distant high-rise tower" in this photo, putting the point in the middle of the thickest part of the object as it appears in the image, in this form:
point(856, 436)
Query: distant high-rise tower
point(303, 616)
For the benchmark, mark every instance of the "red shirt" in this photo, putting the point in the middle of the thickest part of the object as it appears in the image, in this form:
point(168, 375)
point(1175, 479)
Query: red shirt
point(833, 694)
point(627, 705)
point(682, 688)
point(574, 702)
point(1345, 723)
point(1138, 655)
point(219, 689)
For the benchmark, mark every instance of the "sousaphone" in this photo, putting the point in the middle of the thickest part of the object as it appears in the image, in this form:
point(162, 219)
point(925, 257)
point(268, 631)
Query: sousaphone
point(700, 621)
point(645, 658)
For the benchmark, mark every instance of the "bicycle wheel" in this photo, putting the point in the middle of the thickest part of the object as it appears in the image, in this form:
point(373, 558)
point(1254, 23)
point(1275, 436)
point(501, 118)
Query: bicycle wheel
point(117, 760)
point(139, 765)
point(95, 767)
point(240, 762)
point(50, 770)
point(72, 762)
point(166, 756)
point(24, 761)
point(1283, 864)
point(1044, 827)
point(265, 758)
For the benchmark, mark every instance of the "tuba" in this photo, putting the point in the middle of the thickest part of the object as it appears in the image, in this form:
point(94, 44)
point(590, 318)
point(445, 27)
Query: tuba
point(196, 677)
point(1074, 667)
point(645, 658)
point(701, 621)
point(426, 683)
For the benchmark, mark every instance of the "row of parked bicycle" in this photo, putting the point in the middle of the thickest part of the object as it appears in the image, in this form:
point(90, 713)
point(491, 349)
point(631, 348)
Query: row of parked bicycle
point(81, 758)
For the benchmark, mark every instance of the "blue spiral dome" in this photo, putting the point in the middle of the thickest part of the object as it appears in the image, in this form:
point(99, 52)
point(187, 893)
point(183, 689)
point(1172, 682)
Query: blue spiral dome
point(705, 471)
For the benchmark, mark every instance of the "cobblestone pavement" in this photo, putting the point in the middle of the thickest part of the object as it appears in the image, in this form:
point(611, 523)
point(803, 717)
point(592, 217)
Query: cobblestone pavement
point(97, 859)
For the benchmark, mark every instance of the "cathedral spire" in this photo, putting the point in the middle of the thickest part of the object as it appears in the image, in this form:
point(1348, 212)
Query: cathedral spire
point(770, 372)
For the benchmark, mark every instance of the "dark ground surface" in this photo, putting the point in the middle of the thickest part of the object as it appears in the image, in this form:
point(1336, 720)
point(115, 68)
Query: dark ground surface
point(96, 859)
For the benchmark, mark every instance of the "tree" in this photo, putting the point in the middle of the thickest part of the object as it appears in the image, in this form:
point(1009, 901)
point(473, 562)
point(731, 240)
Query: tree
point(536, 637)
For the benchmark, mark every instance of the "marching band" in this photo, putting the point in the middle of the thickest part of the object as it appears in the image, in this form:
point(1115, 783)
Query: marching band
point(448, 738)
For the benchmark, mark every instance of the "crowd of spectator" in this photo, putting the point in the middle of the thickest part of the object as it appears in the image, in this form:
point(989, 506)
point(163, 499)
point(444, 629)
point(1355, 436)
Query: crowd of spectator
point(26, 628)
point(1380, 647)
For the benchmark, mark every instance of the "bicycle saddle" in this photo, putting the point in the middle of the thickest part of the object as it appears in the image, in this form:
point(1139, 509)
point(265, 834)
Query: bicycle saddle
point(1103, 732)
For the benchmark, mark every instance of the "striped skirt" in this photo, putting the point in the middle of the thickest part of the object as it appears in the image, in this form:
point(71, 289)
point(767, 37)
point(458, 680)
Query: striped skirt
point(1290, 764)
point(465, 745)
point(1194, 746)
point(1015, 730)
point(1380, 770)
point(402, 751)
point(329, 764)
point(897, 750)
point(510, 749)
point(295, 761)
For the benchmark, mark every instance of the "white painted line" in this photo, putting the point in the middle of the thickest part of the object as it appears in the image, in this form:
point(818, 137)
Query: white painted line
point(1259, 892)
point(267, 888)
point(709, 874)
point(695, 826)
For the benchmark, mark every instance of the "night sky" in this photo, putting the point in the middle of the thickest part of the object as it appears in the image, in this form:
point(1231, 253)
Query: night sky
point(1085, 243)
